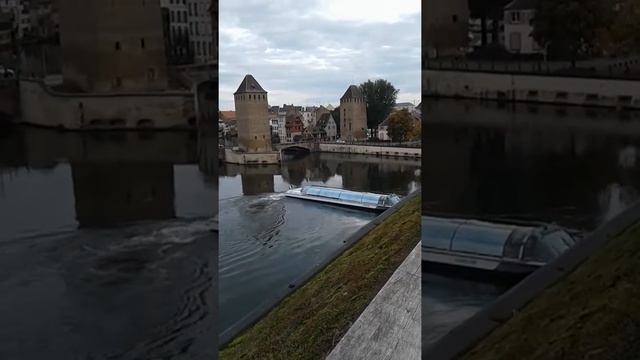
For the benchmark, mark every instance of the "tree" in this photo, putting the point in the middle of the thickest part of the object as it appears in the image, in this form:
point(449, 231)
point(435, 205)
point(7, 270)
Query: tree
point(625, 27)
point(416, 132)
point(569, 28)
point(400, 126)
point(380, 96)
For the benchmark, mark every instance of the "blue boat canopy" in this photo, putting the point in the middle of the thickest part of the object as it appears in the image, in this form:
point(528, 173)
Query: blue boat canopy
point(527, 243)
point(351, 196)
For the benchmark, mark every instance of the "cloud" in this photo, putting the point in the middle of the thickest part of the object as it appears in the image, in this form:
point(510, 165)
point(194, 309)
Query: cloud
point(369, 11)
point(308, 53)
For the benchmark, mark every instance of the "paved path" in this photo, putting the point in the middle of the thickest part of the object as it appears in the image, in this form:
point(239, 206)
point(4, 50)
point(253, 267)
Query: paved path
point(390, 327)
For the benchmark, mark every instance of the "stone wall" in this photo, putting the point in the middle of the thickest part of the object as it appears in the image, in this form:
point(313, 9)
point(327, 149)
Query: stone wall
point(242, 158)
point(254, 132)
point(353, 116)
point(112, 45)
point(42, 106)
point(532, 88)
point(371, 150)
point(445, 28)
point(8, 99)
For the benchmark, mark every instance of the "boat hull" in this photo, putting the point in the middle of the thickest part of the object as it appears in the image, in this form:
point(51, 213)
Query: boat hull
point(476, 268)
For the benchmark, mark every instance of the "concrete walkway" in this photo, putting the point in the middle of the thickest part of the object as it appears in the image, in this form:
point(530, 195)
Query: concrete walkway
point(390, 327)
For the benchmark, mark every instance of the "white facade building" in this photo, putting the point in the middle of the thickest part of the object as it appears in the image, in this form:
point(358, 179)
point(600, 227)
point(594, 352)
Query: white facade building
point(309, 116)
point(518, 27)
point(179, 51)
point(203, 41)
point(20, 12)
point(327, 128)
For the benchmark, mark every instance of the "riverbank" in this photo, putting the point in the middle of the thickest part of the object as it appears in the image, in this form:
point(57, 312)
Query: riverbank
point(389, 328)
point(593, 313)
point(312, 320)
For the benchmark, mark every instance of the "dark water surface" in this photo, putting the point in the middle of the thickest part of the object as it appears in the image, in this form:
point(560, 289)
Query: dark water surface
point(268, 241)
point(105, 245)
point(572, 166)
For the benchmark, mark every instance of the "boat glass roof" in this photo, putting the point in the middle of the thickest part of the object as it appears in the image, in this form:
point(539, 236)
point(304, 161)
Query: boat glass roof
point(468, 236)
point(479, 239)
point(345, 195)
point(484, 238)
point(437, 233)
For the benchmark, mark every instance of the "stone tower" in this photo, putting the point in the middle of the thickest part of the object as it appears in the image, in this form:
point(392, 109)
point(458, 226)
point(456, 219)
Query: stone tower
point(113, 45)
point(353, 114)
point(252, 117)
point(445, 29)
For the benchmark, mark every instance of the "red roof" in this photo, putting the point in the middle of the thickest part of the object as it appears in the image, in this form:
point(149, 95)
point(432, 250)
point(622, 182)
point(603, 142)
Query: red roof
point(228, 115)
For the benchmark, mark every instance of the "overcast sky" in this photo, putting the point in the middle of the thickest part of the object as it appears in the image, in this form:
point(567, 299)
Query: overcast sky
point(308, 52)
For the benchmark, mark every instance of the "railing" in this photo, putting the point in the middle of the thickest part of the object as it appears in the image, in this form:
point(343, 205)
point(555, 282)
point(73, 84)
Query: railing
point(407, 144)
point(605, 68)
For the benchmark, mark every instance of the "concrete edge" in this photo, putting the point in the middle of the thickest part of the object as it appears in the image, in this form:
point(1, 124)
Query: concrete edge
point(466, 335)
point(263, 309)
point(54, 93)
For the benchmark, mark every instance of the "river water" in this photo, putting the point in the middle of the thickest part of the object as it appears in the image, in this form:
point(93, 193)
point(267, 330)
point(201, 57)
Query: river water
point(105, 245)
point(267, 241)
point(572, 166)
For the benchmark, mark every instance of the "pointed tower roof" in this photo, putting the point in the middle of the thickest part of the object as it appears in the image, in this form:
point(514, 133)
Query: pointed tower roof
point(352, 93)
point(249, 85)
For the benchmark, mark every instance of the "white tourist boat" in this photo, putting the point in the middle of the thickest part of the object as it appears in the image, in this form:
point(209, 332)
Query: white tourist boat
point(515, 249)
point(347, 198)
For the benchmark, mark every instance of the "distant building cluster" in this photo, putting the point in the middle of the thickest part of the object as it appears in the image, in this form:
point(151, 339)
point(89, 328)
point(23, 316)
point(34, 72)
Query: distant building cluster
point(189, 31)
point(189, 27)
point(20, 19)
point(290, 123)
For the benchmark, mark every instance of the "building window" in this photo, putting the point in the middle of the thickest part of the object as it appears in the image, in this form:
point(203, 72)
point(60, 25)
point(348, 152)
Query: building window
point(142, 43)
point(455, 18)
point(151, 74)
point(515, 17)
point(117, 45)
point(118, 82)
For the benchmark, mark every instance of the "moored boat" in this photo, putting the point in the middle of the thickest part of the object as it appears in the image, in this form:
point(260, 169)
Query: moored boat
point(509, 249)
point(341, 197)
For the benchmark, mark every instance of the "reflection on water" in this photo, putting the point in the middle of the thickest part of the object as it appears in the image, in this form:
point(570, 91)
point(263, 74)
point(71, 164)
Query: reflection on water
point(573, 167)
point(447, 302)
point(268, 240)
point(105, 244)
